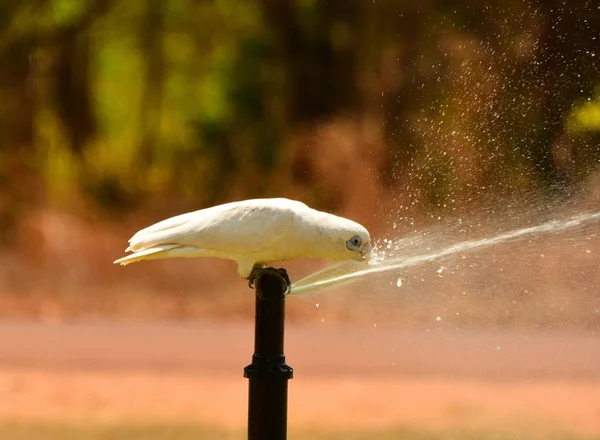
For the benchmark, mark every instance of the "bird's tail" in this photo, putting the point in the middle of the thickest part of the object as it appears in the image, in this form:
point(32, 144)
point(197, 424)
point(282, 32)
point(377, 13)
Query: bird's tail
point(155, 252)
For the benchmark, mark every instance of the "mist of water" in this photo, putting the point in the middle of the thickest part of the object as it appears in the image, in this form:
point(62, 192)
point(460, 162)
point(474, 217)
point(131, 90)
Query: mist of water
point(393, 255)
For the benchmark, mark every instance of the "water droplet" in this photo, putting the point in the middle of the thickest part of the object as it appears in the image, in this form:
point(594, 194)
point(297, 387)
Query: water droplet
point(317, 305)
point(438, 318)
point(399, 282)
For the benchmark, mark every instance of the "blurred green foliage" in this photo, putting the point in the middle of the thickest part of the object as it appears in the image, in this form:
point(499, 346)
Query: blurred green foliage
point(119, 104)
point(586, 115)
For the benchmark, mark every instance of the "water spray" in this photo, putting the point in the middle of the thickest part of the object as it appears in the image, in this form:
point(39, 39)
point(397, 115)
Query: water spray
point(344, 273)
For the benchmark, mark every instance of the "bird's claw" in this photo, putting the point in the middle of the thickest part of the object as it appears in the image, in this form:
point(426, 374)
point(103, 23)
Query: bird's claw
point(281, 272)
point(253, 275)
point(252, 280)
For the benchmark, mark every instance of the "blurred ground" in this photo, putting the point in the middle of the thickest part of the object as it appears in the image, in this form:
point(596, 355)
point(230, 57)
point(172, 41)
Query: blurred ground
point(346, 377)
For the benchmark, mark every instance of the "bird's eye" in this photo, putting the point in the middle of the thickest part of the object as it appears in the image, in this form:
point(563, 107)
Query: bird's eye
point(354, 243)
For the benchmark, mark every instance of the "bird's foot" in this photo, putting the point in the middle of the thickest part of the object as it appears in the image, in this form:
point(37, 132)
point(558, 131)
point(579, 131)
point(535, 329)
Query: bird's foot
point(253, 275)
point(281, 273)
point(252, 279)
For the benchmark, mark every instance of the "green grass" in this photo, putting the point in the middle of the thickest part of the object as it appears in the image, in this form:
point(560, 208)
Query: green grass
point(55, 431)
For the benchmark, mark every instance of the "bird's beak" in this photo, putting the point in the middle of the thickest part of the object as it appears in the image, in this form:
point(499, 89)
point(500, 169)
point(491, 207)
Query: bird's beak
point(365, 252)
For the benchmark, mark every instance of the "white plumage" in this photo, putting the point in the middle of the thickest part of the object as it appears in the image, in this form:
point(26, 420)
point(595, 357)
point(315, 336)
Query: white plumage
point(252, 233)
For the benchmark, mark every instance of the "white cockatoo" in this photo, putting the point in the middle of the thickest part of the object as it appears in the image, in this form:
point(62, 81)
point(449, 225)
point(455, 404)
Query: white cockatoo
point(252, 233)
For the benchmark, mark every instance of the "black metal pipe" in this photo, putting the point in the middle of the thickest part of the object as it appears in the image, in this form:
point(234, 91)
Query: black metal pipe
point(268, 373)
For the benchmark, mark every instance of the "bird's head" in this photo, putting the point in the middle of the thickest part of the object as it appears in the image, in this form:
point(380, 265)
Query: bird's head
point(351, 240)
point(359, 246)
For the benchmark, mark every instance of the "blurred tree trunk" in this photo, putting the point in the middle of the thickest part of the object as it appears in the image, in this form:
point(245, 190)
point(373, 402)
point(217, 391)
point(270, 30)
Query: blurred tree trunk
point(402, 84)
point(151, 39)
point(73, 92)
point(18, 178)
point(320, 60)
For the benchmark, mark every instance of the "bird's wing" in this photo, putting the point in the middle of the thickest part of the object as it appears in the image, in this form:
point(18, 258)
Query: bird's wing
point(234, 229)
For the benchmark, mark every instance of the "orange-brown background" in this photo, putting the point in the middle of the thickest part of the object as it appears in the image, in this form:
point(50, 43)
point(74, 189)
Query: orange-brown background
point(404, 117)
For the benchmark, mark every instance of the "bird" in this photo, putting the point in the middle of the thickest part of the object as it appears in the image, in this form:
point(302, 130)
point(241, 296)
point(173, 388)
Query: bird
point(253, 233)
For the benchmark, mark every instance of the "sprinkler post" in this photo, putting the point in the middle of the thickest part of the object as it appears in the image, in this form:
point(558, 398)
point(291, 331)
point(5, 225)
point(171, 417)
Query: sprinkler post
point(268, 372)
